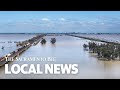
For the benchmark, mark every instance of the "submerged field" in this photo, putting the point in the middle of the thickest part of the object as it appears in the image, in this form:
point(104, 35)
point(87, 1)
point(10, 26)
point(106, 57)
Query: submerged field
point(67, 50)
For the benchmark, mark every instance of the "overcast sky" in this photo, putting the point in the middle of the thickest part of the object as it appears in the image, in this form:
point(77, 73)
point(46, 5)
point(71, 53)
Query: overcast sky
point(59, 21)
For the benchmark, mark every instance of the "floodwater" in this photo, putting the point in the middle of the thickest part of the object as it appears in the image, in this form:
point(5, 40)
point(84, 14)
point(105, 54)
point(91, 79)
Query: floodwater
point(8, 41)
point(67, 50)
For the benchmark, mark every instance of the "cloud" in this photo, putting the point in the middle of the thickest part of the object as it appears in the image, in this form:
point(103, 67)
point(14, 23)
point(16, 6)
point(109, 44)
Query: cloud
point(45, 19)
point(103, 24)
point(62, 19)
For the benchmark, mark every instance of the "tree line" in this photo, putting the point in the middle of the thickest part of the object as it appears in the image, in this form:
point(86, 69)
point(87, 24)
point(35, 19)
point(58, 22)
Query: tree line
point(104, 50)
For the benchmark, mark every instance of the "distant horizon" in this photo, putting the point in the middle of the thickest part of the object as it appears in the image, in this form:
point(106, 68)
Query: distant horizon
point(61, 33)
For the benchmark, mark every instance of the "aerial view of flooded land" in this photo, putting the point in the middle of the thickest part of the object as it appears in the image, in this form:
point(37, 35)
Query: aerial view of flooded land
point(67, 49)
point(70, 41)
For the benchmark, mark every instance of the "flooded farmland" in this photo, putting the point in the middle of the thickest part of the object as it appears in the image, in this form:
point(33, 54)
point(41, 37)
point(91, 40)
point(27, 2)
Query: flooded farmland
point(67, 50)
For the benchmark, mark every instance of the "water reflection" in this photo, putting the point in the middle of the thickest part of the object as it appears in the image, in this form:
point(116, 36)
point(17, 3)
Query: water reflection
point(53, 45)
point(68, 50)
point(43, 45)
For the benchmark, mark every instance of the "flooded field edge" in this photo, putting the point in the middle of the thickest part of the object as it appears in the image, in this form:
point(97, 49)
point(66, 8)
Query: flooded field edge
point(89, 65)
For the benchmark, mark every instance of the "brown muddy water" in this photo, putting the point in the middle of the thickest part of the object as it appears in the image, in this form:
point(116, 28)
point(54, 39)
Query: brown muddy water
point(67, 50)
